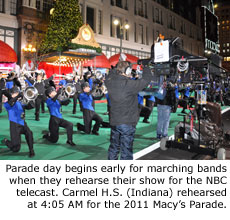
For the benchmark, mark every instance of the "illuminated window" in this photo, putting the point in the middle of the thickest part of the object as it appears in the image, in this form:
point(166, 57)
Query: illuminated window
point(225, 58)
point(223, 22)
point(228, 58)
point(223, 51)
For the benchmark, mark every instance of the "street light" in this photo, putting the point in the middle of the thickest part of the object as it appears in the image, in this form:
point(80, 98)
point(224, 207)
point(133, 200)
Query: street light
point(122, 28)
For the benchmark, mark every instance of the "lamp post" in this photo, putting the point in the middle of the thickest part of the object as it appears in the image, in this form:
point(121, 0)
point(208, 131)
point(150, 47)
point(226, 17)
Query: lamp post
point(122, 28)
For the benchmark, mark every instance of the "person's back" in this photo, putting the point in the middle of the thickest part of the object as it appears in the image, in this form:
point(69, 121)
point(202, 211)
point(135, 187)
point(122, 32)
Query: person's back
point(124, 112)
point(123, 96)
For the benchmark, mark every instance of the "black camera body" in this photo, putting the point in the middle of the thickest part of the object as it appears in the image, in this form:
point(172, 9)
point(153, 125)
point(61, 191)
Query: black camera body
point(180, 67)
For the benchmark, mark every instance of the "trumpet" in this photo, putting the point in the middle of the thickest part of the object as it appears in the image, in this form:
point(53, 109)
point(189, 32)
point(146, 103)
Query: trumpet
point(30, 94)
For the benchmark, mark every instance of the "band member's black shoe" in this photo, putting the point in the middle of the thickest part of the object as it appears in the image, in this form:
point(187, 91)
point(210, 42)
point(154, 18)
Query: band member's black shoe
point(31, 154)
point(146, 121)
point(74, 112)
point(45, 136)
point(95, 133)
point(37, 117)
point(78, 126)
point(71, 143)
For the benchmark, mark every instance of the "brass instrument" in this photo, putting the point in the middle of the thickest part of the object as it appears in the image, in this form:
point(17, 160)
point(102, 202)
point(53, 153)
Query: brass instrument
point(30, 94)
point(67, 91)
point(11, 75)
point(70, 89)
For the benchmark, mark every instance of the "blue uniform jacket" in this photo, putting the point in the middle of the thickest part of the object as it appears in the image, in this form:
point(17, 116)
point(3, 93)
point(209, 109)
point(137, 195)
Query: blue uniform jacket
point(86, 101)
point(62, 82)
point(152, 98)
point(187, 91)
point(140, 99)
point(177, 92)
point(15, 112)
point(9, 85)
point(54, 107)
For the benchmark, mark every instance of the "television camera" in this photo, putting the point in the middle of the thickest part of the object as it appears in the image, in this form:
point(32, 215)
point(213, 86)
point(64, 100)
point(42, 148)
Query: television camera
point(170, 63)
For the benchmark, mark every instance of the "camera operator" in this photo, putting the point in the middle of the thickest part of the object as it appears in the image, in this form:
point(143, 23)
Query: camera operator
point(124, 112)
point(164, 109)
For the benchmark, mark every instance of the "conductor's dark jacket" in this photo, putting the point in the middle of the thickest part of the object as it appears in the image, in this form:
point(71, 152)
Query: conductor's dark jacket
point(123, 92)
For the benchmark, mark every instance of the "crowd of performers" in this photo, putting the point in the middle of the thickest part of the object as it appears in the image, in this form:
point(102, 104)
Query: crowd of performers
point(125, 105)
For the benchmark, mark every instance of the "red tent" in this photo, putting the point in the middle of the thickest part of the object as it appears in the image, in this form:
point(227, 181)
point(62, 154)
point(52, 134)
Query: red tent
point(52, 69)
point(130, 58)
point(7, 54)
point(98, 62)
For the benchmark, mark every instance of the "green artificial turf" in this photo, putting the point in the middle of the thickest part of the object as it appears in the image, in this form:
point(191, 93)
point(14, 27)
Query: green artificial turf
point(88, 147)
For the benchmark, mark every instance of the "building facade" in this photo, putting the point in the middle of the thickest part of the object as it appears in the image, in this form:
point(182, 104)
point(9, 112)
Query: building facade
point(9, 23)
point(222, 10)
point(147, 19)
point(21, 22)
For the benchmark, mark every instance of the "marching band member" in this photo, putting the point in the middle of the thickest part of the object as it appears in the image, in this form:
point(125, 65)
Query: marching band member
point(39, 84)
point(62, 82)
point(150, 102)
point(18, 125)
point(88, 78)
point(56, 119)
point(77, 83)
point(144, 110)
point(47, 83)
point(12, 80)
point(89, 113)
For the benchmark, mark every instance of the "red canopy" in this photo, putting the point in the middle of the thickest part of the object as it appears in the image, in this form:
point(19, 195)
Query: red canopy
point(52, 69)
point(7, 54)
point(99, 62)
point(130, 58)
